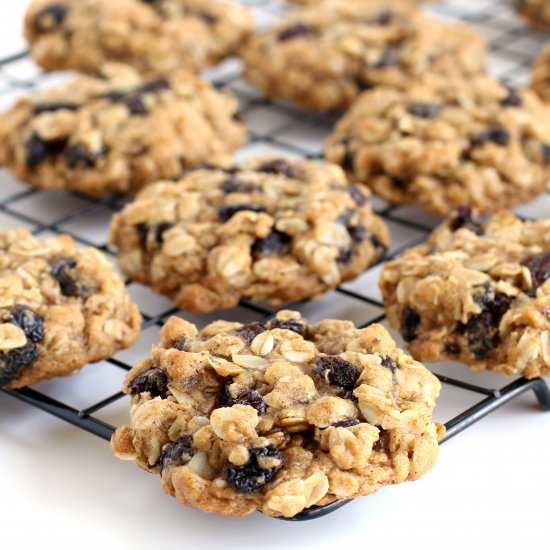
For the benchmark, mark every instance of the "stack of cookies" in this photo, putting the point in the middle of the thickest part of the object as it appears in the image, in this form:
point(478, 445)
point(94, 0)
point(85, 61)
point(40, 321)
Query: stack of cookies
point(278, 415)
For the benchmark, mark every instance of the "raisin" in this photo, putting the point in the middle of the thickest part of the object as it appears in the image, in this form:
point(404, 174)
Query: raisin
point(481, 331)
point(377, 243)
point(383, 18)
point(359, 233)
point(179, 344)
point(50, 17)
point(36, 150)
point(135, 105)
point(424, 110)
point(54, 106)
point(176, 454)
point(208, 18)
point(348, 160)
point(278, 166)
point(410, 321)
point(299, 326)
point(539, 266)
point(357, 195)
point(464, 218)
point(496, 134)
point(381, 445)
point(62, 272)
point(238, 116)
point(345, 256)
point(14, 361)
point(389, 363)
point(346, 423)
point(298, 30)
point(513, 99)
point(251, 477)
point(389, 58)
point(452, 348)
point(232, 185)
point(346, 217)
point(154, 86)
point(29, 321)
point(158, 231)
point(275, 244)
point(249, 332)
point(545, 152)
point(227, 211)
point(251, 398)
point(152, 380)
point(224, 396)
point(337, 371)
point(78, 156)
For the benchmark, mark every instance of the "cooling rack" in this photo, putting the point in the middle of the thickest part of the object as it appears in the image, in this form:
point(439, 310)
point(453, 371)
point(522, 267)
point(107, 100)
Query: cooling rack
point(276, 128)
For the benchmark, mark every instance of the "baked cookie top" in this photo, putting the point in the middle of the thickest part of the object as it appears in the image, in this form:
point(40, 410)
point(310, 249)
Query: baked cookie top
point(325, 55)
point(271, 229)
point(60, 308)
point(441, 144)
point(540, 81)
point(476, 292)
point(536, 12)
point(115, 134)
point(278, 416)
point(153, 36)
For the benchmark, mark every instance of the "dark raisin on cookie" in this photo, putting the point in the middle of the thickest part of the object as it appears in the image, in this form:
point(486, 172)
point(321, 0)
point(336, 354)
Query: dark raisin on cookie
point(78, 156)
point(383, 18)
point(36, 150)
point(29, 321)
point(299, 30)
point(359, 233)
point(481, 331)
point(227, 211)
point(337, 371)
point(464, 218)
point(13, 362)
point(179, 344)
point(152, 380)
point(50, 17)
point(513, 99)
point(539, 266)
point(278, 166)
point(357, 195)
point(234, 185)
point(424, 109)
point(252, 398)
point(275, 244)
point(176, 454)
point(452, 348)
point(410, 321)
point(249, 332)
point(545, 152)
point(299, 326)
point(389, 363)
point(157, 230)
point(251, 477)
point(495, 134)
point(389, 58)
point(345, 256)
point(154, 86)
point(381, 444)
point(55, 106)
point(346, 423)
point(63, 272)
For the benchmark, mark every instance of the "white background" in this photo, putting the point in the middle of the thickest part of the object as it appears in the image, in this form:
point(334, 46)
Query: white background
point(59, 485)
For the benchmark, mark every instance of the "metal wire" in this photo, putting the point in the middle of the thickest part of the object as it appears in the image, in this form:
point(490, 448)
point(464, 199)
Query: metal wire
point(280, 128)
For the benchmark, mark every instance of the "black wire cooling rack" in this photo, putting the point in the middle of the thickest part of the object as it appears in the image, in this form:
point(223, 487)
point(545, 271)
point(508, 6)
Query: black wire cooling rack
point(276, 128)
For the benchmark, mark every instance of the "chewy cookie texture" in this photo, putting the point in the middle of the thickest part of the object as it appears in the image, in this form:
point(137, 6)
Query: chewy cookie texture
point(322, 57)
point(279, 416)
point(153, 36)
point(441, 144)
point(536, 12)
point(60, 308)
point(476, 292)
point(115, 134)
point(270, 229)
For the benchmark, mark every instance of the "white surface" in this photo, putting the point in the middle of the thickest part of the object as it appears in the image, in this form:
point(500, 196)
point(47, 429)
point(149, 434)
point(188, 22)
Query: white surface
point(59, 485)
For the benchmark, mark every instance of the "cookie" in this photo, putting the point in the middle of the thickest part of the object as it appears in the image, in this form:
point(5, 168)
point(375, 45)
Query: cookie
point(536, 12)
point(280, 416)
point(540, 81)
point(113, 135)
point(60, 308)
point(153, 36)
point(324, 56)
point(476, 292)
point(270, 229)
point(439, 145)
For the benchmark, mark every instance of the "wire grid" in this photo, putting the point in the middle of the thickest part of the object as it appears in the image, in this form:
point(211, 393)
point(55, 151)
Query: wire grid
point(92, 400)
